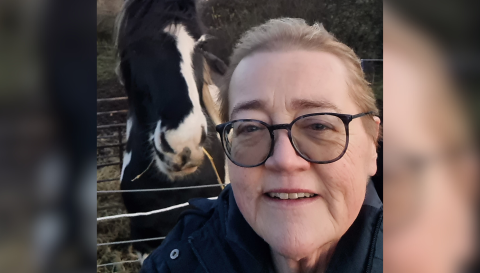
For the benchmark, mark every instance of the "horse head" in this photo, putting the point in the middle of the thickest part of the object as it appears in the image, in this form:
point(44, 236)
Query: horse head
point(162, 67)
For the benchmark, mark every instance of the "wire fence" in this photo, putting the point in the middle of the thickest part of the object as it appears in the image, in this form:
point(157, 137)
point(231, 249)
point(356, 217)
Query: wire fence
point(146, 213)
point(163, 189)
point(131, 241)
point(117, 263)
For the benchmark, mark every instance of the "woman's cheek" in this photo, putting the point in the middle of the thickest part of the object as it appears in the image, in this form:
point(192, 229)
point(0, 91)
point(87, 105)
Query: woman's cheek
point(244, 187)
point(344, 187)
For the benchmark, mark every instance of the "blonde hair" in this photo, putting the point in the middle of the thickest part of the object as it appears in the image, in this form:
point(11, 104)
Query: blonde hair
point(291, 33)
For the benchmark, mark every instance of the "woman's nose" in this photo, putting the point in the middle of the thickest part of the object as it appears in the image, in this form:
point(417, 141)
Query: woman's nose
point(284, 157)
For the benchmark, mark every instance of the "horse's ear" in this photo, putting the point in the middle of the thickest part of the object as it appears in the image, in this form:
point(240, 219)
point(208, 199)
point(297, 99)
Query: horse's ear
point(202, 41)
point(215, 63)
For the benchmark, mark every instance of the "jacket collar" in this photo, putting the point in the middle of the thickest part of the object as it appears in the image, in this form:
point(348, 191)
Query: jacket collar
point(371, 197)
point(228, 238)
point(240, 235)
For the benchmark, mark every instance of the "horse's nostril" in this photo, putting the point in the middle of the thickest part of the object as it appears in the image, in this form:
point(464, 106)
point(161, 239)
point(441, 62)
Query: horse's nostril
point(187, 152)
point(184, 162)
point(184, 159)
point(176, 167)
point(185, 155)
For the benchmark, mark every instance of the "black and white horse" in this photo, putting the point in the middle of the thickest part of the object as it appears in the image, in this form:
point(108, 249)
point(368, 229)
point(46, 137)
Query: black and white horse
point(163, 69)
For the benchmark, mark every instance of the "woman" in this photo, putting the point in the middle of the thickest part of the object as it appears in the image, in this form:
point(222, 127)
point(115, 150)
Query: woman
point(301, 140)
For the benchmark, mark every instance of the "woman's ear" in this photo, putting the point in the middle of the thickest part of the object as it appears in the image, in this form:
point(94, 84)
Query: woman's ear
point(373, 158)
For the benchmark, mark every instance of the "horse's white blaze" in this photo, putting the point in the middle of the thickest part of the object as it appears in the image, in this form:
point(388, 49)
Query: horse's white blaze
point(156, 136)
point(188, 134)
point(156, 141)
point(126, 160)
point(182, 136)
point(129, 127)
point(127, 156)
point(186, 45)
point(178, 139)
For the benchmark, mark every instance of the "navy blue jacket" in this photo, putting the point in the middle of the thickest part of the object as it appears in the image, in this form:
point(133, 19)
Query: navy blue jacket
point(216, 238)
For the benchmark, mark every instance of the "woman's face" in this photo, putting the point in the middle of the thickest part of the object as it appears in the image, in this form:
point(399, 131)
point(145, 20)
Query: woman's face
point(287, 85)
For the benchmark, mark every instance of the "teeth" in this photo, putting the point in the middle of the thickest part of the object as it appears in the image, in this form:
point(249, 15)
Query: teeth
point(284, 196)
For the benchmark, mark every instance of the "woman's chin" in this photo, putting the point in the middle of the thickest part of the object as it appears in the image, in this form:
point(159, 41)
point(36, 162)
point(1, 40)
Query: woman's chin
point(295, 249)
point(296, 238)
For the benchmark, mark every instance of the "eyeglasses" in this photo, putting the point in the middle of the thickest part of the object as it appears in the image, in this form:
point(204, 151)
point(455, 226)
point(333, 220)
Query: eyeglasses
point(319, 138)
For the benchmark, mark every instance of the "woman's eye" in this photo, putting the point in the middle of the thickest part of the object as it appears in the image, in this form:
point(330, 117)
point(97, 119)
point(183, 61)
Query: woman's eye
point(247, 129)
point(318, 127)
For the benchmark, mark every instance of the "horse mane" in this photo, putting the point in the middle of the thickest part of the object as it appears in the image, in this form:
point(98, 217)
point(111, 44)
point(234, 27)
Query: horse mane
point(211, 103)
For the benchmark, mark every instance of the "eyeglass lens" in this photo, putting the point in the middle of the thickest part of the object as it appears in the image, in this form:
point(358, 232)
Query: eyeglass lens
point(316, 138)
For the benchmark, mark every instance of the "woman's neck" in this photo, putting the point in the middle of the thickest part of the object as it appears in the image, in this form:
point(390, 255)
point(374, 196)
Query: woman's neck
point(316, 262)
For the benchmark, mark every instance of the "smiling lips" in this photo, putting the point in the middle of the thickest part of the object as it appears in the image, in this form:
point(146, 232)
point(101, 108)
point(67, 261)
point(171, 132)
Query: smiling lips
point(284, 196)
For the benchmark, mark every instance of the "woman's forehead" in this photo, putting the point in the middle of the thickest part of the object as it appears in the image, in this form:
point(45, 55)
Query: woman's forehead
point(291, 78)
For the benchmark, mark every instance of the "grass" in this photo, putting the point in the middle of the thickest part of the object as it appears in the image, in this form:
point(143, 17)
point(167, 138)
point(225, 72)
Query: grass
point(106, 61)
point(113, 230)
point(378, 89)
point(357, 24)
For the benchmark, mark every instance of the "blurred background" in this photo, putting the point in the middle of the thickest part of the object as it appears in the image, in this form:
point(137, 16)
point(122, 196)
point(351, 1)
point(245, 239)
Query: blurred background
point(431, 132)
point(47, 136)
point(49, 76)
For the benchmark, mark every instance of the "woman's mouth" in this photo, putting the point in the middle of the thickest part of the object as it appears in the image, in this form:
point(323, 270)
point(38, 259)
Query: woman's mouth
point(290, 197)
point(285, 196)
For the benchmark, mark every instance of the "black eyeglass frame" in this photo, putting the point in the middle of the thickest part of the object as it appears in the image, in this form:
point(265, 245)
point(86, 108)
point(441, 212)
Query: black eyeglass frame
point(346, 118)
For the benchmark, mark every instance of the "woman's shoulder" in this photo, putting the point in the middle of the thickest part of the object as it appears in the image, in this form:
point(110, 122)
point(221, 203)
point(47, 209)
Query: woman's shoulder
point(176, 254)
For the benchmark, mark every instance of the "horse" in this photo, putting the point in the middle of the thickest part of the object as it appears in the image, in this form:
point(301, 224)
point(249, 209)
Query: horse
point(171, 113)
